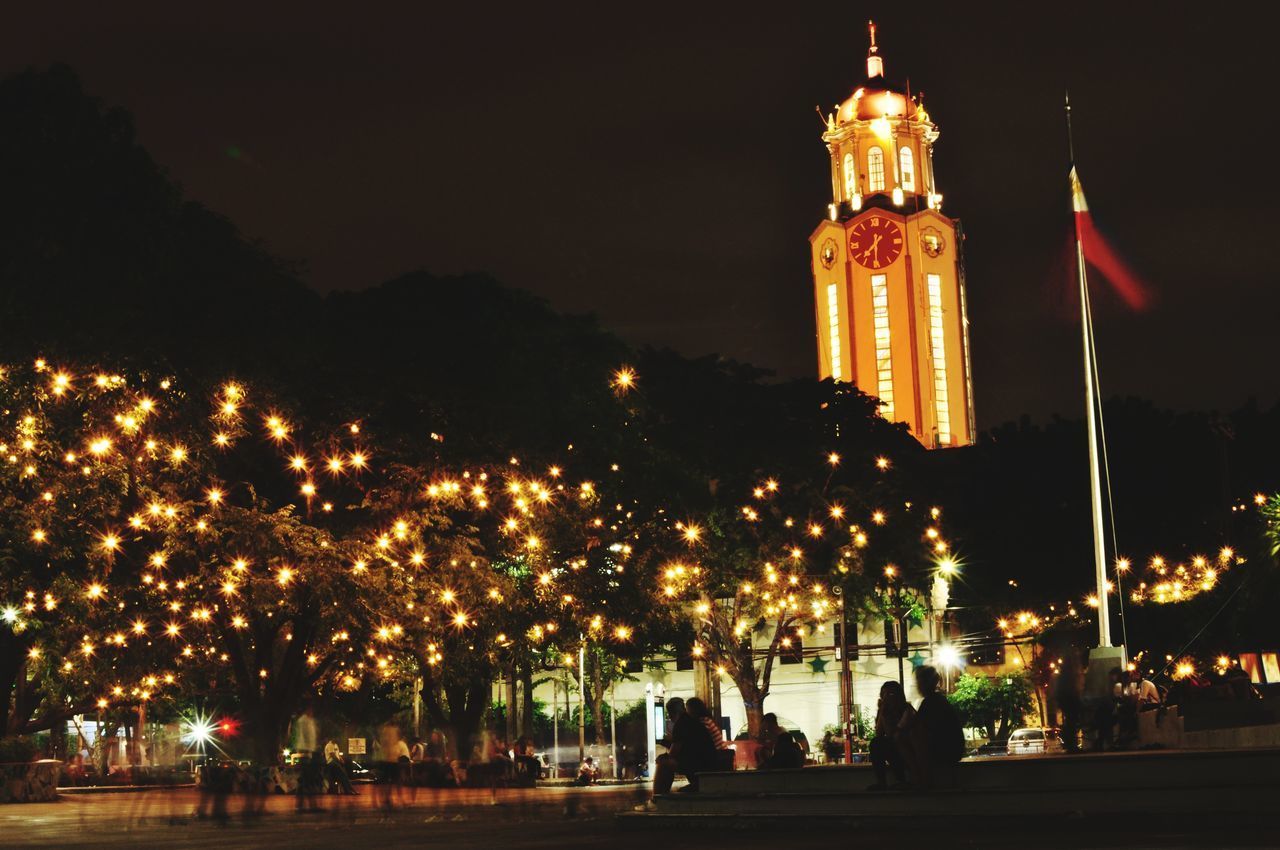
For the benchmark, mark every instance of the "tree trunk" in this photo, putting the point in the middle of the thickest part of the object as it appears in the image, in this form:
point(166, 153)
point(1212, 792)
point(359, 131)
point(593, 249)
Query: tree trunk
point(753, 702)
point(511, 708)
point(12, 659)
point(456, 707)
point(595, 694)
point(267, 730)
point(526, 696)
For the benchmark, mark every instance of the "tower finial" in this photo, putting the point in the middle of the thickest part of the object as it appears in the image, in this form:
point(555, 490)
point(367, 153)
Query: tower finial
point(875, 65)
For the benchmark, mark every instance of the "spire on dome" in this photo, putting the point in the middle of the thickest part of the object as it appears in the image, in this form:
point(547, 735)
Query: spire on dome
point(875, 65)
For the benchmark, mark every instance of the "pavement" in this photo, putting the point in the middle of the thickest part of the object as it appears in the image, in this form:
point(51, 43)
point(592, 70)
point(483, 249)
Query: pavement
point(537, 818)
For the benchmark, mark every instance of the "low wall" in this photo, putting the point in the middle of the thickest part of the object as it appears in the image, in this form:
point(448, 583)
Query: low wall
point(29, 782)
point(1168, 730)
point(1159, 783)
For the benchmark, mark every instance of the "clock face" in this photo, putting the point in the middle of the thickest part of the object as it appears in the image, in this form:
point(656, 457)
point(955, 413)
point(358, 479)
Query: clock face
point(875, 242)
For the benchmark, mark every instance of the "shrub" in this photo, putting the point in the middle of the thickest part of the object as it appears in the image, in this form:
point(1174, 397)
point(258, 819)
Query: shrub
point(16, 750)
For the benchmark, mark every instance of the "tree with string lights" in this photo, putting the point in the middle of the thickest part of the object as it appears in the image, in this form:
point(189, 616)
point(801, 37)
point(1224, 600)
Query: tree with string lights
point(787, 560)
point(80, 459)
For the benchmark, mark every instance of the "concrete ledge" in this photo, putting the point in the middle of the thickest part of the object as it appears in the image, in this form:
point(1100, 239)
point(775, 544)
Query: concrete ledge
point(120, 789)
point(1116, 771)
point(1136, 822)
point(1240, 784)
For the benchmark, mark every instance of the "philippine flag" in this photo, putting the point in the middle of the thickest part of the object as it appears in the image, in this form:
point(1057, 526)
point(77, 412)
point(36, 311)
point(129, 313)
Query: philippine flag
point(1099, 254)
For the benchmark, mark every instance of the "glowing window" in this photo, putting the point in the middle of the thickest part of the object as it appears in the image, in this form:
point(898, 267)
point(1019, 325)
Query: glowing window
point(907, 165)
point(938, 346)
point(850, 177)
point(875, 169)
point(880, 324)
point(833, 322)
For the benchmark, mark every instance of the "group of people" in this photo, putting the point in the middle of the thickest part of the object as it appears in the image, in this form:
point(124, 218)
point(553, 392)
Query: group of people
point(918, 746)
point(1117, 721)
point(1114, 714)
point(695, 745)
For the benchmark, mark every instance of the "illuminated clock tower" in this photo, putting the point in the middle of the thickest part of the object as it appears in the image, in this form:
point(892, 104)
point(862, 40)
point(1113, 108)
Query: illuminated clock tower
point(888, 270)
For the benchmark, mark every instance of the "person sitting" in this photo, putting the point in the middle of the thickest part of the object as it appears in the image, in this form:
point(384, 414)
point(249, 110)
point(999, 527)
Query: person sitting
point(587, 772)
point(334, 770)
point(893, 715)
point(1145, 690)
point(934, 743)
point(527, 766)
point(787, 754)
point(769, 731)
point(724, 753)
point(690, 750)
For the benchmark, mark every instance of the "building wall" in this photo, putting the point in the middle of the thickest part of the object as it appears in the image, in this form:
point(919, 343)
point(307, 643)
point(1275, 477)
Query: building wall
point(802, 697)
point(911, 344)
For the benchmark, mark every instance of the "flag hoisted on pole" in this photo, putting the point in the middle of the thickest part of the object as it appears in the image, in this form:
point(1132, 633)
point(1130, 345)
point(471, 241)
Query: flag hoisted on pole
point(1081, 214)
point(1091, 422)
point(1096, 252)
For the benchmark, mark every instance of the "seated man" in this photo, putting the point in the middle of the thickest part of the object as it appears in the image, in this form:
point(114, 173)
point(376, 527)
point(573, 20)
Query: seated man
point(934, 742)
point(587, 772)
point(786, 753)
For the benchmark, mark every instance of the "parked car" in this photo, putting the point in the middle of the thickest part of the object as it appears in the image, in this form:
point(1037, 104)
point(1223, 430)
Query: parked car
point(1036, 739)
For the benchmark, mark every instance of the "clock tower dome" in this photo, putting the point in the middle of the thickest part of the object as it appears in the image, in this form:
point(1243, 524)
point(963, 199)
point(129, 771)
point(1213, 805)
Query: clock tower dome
point(888, 270)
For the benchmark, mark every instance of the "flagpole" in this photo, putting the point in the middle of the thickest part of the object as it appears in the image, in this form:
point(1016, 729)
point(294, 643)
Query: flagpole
point(1091, 405)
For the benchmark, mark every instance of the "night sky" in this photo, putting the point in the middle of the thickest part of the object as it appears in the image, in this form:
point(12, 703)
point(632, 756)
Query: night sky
point(661, 165)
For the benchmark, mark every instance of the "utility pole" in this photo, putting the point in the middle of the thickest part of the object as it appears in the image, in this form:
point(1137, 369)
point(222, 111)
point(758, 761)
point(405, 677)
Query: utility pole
point(650, 731)
point(555, 728)
point(613, 728)
point(582, 701)
point(846, 684)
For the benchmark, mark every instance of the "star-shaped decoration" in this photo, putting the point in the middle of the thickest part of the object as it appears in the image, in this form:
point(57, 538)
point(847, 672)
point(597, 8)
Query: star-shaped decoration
point(818, 664)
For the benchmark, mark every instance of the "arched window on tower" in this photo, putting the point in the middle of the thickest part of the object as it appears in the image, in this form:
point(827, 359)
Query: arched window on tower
point(850, 177)
point(875, 169)
point(907, 166)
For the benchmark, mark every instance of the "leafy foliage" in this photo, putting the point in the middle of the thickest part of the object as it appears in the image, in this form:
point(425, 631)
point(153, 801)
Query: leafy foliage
point(995, 704)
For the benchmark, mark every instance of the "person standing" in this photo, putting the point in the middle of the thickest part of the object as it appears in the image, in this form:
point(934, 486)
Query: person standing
point(304, 732)
point(1067, 690)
